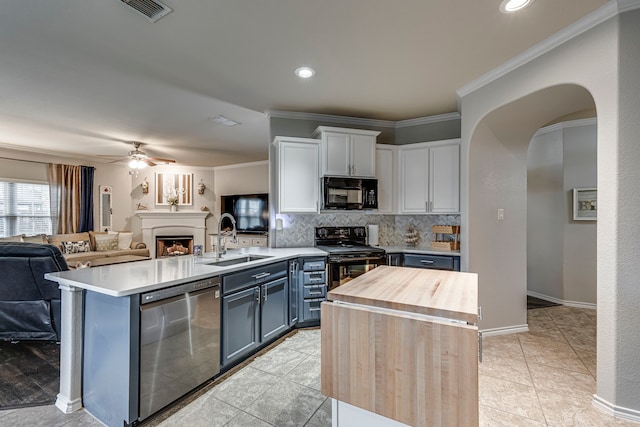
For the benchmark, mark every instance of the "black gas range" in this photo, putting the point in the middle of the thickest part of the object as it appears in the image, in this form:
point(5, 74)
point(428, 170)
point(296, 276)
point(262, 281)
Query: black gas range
point(349, 255)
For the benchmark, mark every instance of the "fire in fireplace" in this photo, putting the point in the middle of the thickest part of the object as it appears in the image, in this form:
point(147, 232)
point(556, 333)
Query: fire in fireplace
point(173, 246)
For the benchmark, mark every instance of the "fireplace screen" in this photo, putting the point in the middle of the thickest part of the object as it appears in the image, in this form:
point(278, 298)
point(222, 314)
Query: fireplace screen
point(173, 246)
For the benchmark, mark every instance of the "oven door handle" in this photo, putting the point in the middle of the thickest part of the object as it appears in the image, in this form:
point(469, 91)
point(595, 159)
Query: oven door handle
point(338, 260)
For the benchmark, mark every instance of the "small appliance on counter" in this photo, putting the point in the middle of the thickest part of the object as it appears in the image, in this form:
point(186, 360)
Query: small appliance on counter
point(372, 235)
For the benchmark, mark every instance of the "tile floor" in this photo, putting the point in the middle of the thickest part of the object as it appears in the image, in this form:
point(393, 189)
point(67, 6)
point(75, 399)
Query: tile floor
point(545, 377)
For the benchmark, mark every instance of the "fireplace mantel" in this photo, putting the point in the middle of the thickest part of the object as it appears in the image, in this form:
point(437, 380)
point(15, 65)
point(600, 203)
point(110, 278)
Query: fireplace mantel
point(165, 223)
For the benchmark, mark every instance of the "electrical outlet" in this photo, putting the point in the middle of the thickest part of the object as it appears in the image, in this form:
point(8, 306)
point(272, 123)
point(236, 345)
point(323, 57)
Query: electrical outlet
point(500, 214)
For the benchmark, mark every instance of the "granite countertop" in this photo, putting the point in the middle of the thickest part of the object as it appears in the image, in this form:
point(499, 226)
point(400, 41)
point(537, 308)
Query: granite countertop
point(125, 279)
point(424, 250)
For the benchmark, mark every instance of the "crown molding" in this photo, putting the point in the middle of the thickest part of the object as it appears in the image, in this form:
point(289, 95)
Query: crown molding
point(426, 120)
point(566, 125)
point(361, 121)
point(331, 118)
point(609, 10)
point(241, 165)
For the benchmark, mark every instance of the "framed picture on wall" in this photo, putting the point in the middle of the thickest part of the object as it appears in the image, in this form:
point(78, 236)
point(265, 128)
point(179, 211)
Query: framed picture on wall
point(174, 189)
point(585, 204)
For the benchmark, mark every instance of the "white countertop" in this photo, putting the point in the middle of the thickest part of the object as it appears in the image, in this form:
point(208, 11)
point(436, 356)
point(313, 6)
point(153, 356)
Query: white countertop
point(422, 250)
point(131, 278)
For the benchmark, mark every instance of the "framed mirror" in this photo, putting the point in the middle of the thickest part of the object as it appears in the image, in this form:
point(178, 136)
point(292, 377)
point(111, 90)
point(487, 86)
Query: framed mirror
point(105, 208)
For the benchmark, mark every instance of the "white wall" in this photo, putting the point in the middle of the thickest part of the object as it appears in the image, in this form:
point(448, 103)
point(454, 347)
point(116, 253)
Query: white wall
point(33, 166)
point(606, 61)
point(580, 240)
point(561, 252)
point(545, 214)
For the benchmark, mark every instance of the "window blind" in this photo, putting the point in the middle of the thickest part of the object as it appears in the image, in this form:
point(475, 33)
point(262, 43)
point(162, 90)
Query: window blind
point(24, 209)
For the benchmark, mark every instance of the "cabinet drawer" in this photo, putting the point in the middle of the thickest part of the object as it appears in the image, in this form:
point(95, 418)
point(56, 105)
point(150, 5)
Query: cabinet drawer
point(311, 309)
point(244, 242)
point(313, 277)
point(259, 241)
point(313, 265)
point(314, 291)
point(429, 261)
point(253, 276)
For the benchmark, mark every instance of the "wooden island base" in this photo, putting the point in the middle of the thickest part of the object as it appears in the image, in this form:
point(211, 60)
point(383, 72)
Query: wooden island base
point(417, 369)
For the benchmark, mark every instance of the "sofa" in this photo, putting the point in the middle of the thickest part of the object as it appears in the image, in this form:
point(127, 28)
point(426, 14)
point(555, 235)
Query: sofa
point(29, 304)
point(95, 246)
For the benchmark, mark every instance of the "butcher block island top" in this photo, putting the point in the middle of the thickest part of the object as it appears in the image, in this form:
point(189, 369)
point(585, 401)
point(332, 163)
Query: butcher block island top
point(448, 294)
point(400, 348)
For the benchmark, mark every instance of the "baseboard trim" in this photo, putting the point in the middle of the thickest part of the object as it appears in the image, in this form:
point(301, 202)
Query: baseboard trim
point(616, 411)
point(576, 304)
point(504, 331)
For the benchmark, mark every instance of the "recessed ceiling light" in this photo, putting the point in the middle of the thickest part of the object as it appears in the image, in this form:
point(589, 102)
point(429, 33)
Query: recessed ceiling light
point(305, 72)
point(508, 6)
point(224, 120)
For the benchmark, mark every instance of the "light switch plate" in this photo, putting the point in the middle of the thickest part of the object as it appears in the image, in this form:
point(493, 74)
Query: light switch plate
point(500, 214)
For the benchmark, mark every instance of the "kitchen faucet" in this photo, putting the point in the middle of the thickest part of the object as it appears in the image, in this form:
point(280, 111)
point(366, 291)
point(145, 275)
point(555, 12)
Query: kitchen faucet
point(233, 239)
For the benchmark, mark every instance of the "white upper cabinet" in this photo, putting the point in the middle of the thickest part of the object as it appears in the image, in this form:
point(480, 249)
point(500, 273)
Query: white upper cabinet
point(297, 174)
point(385, 156)
point(429, 177)
point(347, 152)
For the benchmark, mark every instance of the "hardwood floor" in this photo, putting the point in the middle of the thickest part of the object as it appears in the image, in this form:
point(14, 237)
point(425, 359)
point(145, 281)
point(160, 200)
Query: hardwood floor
point(29, 373)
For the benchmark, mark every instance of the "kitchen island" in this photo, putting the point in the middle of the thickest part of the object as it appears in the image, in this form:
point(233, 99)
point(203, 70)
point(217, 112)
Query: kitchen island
point(400, 347)
point(119, 286)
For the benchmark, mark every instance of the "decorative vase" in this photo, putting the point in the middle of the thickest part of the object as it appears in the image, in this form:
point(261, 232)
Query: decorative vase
point(173, 208)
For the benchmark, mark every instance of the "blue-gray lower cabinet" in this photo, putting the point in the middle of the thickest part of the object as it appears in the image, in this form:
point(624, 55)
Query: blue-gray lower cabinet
point(240, 324)
point(294, 284)
point(312, 289)
point(437, 262)
point(255, 310)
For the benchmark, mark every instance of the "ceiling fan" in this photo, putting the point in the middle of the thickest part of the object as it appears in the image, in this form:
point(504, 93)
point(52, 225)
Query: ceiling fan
point(138, 159)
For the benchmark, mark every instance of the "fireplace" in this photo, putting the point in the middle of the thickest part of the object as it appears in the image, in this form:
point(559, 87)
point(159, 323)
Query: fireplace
point(171, 225)
point(167, 246)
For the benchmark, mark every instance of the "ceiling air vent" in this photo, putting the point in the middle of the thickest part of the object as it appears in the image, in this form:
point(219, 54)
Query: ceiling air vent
point(152, 9)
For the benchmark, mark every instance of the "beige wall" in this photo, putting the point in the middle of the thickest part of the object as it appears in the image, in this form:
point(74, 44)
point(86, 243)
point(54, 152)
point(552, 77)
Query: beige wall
point(33, 167)
point(496, 118)
point(561, 252)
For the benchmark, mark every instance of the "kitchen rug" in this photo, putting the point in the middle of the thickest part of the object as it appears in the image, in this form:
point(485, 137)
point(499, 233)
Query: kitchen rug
point(29, 373)
point(533, 302)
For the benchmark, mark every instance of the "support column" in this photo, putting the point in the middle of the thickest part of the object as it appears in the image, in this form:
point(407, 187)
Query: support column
point(70, 397)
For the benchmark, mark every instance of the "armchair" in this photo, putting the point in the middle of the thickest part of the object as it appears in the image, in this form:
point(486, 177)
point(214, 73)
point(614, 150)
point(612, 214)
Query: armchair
point(29, 304)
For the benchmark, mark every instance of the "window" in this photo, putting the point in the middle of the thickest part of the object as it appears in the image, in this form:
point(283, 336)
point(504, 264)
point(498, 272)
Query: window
point(24, 208)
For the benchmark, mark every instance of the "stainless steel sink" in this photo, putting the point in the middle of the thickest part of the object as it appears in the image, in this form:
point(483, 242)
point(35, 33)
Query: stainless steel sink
point(234, 261)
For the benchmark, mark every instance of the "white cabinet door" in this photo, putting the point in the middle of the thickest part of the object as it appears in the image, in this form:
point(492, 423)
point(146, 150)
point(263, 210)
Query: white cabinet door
point(336, 153)
point(347, 152)
point(384, 174)
point(414, 180)
point(363, 156)
point(297, 174)
point(444, 179)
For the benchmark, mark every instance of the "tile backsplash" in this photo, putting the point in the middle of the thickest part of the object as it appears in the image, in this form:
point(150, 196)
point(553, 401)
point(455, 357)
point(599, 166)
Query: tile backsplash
point(298, 230)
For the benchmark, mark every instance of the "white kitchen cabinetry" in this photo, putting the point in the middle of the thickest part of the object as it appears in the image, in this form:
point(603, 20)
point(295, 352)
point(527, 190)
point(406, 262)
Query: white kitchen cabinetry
point(429, 177)
point(347, 152)
point(297, 174)
point(385, 156)
point(243, 241)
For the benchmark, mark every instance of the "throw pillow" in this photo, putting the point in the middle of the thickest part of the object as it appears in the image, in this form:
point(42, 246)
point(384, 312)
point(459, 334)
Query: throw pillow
point(75, 247)
point(124, 240)
point(92, 238)
point(106, 242)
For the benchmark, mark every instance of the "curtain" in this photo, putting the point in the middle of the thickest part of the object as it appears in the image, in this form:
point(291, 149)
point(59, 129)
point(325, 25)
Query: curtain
point(65, 188)
point(86, 195)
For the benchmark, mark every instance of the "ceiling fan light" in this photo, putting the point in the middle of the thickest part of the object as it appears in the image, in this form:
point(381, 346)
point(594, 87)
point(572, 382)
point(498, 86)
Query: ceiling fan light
point(137, 164)
point(508, 6)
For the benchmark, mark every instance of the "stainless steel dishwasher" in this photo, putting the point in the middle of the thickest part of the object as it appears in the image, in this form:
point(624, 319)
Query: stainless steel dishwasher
point(179, 342)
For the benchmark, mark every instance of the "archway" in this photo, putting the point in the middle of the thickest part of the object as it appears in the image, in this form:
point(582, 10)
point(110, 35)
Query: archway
point(603, 60)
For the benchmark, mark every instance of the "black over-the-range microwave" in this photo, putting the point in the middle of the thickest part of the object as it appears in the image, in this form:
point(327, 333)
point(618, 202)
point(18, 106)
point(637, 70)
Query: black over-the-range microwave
point(349, 193)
